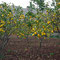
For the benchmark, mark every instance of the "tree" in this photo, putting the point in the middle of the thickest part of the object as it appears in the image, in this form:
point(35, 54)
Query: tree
point(31, 7)
point(40, 4)
point(8, 22)
point(56, 14)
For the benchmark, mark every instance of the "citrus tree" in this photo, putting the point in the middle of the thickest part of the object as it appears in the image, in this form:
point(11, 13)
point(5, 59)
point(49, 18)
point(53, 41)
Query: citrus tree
point(41, 25)
point(8, 22)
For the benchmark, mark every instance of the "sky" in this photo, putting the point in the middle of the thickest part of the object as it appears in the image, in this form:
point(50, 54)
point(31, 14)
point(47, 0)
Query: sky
point(22, 3)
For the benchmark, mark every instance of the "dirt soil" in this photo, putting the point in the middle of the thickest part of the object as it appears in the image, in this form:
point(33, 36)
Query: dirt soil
point(22, 49)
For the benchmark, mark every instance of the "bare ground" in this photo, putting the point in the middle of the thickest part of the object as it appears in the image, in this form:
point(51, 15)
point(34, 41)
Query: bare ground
point(21, 49)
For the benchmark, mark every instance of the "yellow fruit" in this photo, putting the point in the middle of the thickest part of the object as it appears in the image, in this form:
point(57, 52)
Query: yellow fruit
point(19, 35)
point(53, 15)
point(48, 22)
point(32, 34)
point(2, 15)
point(11, 18)
point(59, 3)
point(38, 35)
point(4, 10)
point(52, 20)
point(43, 33)
point(35, 33)
point(1, 25)
point(2, 30)
point(43, 26)
point(52, 31)
point(37, 21)
point(2, 21)
point(33, 29)
point(22, 34)
point(15, 22)
point(9, 12)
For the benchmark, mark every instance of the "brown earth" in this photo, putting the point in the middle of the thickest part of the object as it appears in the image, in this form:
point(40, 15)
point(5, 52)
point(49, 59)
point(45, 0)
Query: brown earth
point(21, 49)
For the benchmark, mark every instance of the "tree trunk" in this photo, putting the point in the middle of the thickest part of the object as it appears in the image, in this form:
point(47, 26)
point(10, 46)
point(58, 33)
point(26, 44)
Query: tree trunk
point(41, 42)
point(4, 40)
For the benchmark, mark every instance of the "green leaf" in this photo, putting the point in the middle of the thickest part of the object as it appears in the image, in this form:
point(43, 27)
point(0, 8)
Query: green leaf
point(51, 53)
point(9, 50)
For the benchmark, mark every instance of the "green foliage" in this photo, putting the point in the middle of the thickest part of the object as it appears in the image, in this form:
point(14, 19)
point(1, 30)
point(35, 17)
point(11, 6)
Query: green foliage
point(13, 21)
point(30, 14)
point(9, 50)
point(40, 3)
point(51, 53)
point(31, 7)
